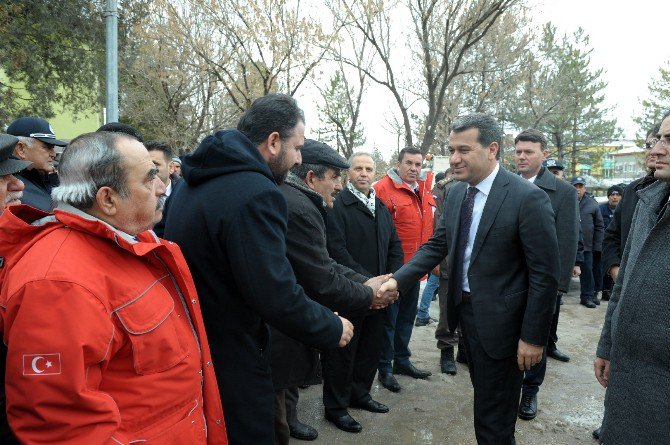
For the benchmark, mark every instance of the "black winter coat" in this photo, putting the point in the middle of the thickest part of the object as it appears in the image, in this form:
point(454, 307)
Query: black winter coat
point(333, 285)
point(38, 186)
point(616, 233)
point(229, 218)
point(365, 243)
point(592, 224)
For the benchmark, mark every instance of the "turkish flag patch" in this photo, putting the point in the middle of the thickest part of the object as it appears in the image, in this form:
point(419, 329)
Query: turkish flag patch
point(41, 364)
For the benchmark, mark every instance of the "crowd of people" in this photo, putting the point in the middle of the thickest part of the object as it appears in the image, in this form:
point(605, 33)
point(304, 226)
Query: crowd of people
point(150, 298)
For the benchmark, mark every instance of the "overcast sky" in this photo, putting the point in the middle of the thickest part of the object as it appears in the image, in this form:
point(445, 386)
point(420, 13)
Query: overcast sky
point(628, 41)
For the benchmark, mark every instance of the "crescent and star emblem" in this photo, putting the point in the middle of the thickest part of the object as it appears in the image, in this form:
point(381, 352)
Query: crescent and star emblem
point(47, 365)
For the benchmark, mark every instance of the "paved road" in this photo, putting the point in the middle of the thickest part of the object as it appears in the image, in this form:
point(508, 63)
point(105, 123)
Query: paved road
point(439, 410)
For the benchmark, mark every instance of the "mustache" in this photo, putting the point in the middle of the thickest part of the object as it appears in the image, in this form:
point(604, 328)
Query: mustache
point(160, 204)
point(11, 196)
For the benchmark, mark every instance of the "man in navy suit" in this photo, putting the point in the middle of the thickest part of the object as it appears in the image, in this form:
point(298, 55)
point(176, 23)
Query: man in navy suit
point(495, 230)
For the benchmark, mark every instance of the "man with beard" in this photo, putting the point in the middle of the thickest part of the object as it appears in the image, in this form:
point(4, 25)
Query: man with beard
point(616, 233)
point(632, 356)
point(106, 343)
point(230, 219)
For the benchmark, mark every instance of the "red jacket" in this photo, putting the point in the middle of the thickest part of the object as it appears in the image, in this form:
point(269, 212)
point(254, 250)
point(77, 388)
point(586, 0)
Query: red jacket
point(412, 216)
point(105, 336)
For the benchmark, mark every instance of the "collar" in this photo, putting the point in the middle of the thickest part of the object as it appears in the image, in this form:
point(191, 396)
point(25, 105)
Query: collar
point(168, 189)
point(395, 177)
point(485, 185)
point(62, 207)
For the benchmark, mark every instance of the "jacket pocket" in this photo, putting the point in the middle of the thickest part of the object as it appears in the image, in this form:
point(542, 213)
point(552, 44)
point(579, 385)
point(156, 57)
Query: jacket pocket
point(515, 301)
point(150, 322)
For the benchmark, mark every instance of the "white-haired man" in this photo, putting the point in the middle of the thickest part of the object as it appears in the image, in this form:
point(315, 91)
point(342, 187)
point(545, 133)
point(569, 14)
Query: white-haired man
point(105, 337)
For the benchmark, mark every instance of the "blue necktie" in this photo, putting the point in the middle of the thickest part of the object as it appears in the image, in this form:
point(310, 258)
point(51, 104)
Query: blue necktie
point(463, 234)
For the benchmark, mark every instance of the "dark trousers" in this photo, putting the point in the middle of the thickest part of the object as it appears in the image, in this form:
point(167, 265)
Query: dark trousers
point(445, 338)
point(586, 278)
point(291, 397)
point(553, 331)
point(597, 272)
point(282, 433)
point(608, 283)
point(398, 330)
point(533, 378)
point(348, 372)
point(496, 383)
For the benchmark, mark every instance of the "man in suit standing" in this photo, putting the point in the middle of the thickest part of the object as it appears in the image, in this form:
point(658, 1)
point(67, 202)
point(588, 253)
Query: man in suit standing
point(530, 150)
point(496, 229)
point(361, 236)
point(592, 230)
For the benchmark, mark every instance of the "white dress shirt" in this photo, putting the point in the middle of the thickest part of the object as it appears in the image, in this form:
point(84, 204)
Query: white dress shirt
point(168, 189)
point(484, 188)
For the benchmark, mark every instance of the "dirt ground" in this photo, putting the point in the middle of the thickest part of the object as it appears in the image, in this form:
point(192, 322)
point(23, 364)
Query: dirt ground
point(439, 410)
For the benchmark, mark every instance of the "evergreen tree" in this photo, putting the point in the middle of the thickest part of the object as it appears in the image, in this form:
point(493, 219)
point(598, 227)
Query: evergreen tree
point(563, 96)
point(657, 103)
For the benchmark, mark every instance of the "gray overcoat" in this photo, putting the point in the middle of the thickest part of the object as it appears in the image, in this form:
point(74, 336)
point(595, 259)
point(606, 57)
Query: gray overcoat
point(636, 334)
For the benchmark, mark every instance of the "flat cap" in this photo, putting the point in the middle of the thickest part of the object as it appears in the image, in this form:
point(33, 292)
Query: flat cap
point(553, 163)
point(9, 165)
point(315, 152)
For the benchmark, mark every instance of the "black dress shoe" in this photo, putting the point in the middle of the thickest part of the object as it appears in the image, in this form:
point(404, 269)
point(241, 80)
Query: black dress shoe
point(301, 431)
point(411, 371)
point(596, 433)
point(447, 364)
point(371, 405)
point(588, 303)
point(345, 423)
point(528, 407)
point(388, 381)
point(606, 295)
point(558, 355)
point(596, 299)
point(422, 321)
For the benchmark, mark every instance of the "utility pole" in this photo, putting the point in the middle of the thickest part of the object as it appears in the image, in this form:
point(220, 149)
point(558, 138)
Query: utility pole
point(112, 57)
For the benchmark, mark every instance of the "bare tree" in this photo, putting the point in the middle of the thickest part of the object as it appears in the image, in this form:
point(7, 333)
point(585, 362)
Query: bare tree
point(164, 94)
point(251, 47)
point(446, 32)
point(342, 98)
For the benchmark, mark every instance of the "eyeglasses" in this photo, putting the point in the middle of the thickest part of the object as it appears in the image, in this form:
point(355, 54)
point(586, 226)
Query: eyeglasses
point(652, 143)
point(43, 135)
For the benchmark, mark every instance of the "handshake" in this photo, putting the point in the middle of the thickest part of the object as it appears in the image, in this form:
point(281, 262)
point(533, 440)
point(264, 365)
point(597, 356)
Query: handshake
point(384, 291)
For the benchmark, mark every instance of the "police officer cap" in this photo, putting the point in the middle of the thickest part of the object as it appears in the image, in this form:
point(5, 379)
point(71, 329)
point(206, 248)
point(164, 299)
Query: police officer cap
point(578, 180)
point(315, 152)
point(9, 165)
point(553, 163)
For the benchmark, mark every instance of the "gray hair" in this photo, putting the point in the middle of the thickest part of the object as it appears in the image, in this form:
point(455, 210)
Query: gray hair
point(319, 170)
point(489, 129)
point(27, 141)
point(90, 162)
point(359, 154)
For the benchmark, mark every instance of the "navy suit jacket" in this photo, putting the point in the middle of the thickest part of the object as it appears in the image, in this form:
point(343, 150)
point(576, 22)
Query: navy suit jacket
point(513, 272)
